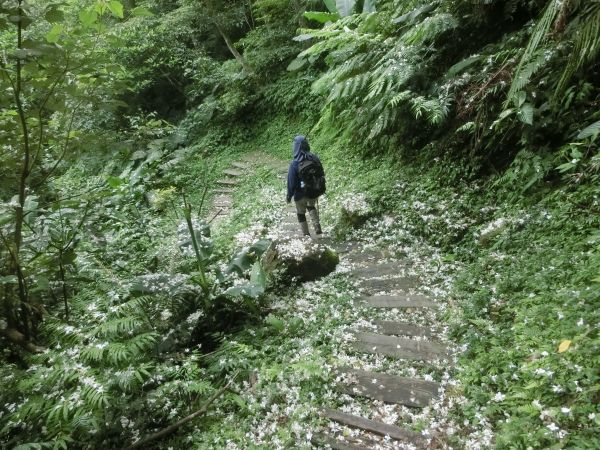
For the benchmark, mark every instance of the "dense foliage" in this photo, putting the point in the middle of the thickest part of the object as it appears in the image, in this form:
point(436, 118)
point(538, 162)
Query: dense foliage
point(476, 121)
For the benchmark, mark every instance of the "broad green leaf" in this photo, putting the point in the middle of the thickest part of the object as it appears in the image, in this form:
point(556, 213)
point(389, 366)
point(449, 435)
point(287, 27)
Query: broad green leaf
point(504, 114)
point(345, 7)
point(369, 6)
point(245, 258)
point(54, 14)
point(114, 182)
point(525, 114)
point(331, 6)
point(258, 276)
point(462, 65)
point(54, 34)
point(410, 16)
point(116, 8)
point(88, 17)
point(321, 17)
point(296, 64)
point(140, 11)
point(519, 99)
point(6, 218)
point(24, 20)
point(275, 323)
point(592, 131)
point(247, 289)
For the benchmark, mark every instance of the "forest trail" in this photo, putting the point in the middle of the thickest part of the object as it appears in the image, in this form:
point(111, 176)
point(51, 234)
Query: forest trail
point(394, 312)
point(384, 286)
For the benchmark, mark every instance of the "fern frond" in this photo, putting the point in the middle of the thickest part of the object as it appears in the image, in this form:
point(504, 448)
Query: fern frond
point(132, 377)
point(433, 110)
point(118, 326)
point(400, 98)
point(430, 29)
point(538, 36)
point(522, 78)
point(586, 40)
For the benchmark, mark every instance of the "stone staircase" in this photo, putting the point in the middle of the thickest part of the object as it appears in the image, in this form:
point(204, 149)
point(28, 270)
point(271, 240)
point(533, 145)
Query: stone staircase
point(382, 285)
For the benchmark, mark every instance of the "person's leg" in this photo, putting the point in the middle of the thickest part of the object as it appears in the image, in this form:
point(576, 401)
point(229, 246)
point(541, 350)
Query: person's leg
point(301, 211)
point(314, 214)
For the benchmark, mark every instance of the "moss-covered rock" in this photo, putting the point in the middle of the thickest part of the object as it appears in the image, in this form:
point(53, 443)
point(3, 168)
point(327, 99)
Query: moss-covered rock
point(300, 257)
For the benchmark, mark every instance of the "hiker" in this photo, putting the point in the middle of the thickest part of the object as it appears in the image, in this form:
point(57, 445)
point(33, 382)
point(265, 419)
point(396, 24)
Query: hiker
point(306, 181)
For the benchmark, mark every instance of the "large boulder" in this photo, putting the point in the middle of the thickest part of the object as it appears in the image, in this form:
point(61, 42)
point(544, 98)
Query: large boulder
point(303, 258)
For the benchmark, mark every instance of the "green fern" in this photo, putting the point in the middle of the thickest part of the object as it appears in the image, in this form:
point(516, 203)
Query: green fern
point(585, 32)
point(430, 29)
point(433, 110)
point(539, 35)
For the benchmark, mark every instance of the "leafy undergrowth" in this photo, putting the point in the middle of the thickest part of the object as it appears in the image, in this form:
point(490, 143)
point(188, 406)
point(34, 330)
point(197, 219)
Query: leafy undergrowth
point(522, 292)
point(528, 292)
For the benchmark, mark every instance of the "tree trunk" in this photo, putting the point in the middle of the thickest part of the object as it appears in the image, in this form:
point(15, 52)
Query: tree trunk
point(237, 55)
point(22, 189)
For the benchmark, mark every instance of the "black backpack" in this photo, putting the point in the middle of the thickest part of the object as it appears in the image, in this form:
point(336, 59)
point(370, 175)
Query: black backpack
point(312, 177)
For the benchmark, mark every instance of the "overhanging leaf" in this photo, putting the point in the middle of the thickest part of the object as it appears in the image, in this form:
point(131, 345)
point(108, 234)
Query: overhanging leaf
point(592, 131)
point(525, 114)
point(296, 64)
point(321, 17)
point(140, 11)
point(88, 17)
point(54, 34)
point(369, 6)
point(54, 15)
point(462, 65)
point(344, 7)
point(330, 4)
point(116, 8)
point(410, 16)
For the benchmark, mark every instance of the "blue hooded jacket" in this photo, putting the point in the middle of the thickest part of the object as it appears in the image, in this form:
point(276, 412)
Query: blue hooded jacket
point(301, 151)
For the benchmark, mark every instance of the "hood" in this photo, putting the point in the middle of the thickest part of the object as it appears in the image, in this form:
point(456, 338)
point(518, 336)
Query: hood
point(300, 148)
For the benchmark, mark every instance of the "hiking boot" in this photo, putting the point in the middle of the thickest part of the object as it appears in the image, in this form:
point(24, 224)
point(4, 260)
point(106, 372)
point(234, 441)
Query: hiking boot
point(304, 228)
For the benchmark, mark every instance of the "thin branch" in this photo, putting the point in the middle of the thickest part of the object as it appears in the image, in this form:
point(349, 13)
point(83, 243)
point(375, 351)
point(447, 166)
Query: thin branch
point(171, 428)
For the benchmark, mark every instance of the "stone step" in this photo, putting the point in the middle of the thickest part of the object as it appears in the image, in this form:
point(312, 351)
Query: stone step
point(233, 172)
point(227, 182)
point(223, 191)
point(397, 301)
point(390, 388)
point(379, 270)
point(389, 284)
point(367, 256)
point(400, 328)
point(397, 347)
point(322, 440)
point(373, 426)
point(241, 165)
point(222, 199)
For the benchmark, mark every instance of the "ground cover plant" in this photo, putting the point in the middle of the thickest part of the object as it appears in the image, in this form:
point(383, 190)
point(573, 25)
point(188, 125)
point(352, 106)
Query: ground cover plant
point(462, 135)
